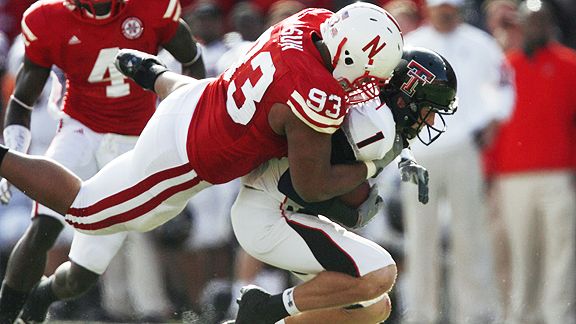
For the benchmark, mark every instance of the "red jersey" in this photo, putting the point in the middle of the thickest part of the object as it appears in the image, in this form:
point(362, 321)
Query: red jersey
point(97, 94)
point(229, 133)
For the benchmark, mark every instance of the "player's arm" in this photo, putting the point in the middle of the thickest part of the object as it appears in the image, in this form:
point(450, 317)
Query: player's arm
point(30, 81)
point(313, 176)
point(28, 87)
point(185, 49)
point(335, 209)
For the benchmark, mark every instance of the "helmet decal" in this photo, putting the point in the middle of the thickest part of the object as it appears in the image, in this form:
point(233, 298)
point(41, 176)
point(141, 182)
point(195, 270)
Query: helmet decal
point(375, 48)
point(417, 74)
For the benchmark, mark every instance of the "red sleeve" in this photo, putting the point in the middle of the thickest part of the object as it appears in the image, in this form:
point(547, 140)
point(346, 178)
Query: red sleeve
point(167, 14)
point(318, 105)
point(37, 35)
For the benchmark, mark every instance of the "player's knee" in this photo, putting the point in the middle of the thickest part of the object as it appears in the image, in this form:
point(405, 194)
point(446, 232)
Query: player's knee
point(43, 232)
point(378, 282)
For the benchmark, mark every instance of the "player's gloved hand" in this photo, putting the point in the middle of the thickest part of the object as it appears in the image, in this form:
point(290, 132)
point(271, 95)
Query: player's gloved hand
point(411, 171)
point(141, 67)
point(369, 208)
point(5, 192)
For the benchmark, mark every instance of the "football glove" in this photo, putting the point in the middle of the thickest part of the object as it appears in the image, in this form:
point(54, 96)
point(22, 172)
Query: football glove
point(141, 67)
point(369, 208)
point(411, 171)
point(5, 191)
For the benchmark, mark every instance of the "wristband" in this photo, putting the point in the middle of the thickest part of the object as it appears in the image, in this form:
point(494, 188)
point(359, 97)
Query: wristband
point(370, 169)
point(17, 137)
point(22, 104)
point(196, 58)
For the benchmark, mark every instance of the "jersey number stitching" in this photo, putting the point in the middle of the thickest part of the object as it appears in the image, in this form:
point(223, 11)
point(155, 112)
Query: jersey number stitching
point(252, 93)
point(105, 63)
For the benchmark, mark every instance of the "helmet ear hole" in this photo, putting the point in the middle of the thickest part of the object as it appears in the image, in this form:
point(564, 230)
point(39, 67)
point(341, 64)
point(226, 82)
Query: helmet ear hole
point(348, 61)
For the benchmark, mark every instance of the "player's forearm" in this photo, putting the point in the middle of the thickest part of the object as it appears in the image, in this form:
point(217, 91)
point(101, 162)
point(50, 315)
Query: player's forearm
point(168, 82)
point(334, 181)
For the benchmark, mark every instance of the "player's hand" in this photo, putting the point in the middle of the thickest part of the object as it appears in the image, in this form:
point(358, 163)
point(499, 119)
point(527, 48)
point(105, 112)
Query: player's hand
point(411, 171)
point(5, 192)
point(369, 208)
point(141, 67)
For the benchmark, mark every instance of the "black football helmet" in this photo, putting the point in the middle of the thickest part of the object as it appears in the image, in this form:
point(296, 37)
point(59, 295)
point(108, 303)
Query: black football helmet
point(421, 84)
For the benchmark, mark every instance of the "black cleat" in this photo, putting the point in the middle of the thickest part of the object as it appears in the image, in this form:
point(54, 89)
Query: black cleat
point(141, 67)
point(252, 306)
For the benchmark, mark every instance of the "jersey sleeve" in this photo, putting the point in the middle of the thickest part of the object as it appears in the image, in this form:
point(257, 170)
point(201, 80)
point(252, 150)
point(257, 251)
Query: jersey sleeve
point(370, 130)
point(317, 102)
point(166, 18)
point(37, 35)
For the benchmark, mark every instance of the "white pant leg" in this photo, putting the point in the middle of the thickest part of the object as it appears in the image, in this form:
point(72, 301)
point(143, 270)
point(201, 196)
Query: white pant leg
point(149, 185)
point(303, 244)
point(472, 275)
point(74, 146)
point(423, 254)
point(518, 210)
point(558, 275)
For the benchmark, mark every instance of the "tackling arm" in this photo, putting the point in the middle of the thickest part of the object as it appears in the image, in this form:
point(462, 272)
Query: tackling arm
point(314, 177)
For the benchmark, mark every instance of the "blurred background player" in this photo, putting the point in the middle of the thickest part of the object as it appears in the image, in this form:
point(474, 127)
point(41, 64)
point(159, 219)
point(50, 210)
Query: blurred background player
point(455, 220)
point(104, 114)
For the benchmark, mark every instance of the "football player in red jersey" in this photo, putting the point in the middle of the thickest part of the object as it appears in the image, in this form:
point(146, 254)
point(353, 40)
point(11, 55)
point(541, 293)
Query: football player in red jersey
point(285, 97)
point(103, 113)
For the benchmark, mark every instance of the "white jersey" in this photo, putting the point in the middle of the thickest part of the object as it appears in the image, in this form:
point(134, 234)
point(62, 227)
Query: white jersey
point(288, 239)
point(369, 129)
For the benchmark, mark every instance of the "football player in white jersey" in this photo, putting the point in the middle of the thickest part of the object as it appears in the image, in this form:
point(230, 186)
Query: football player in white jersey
point(351, 275)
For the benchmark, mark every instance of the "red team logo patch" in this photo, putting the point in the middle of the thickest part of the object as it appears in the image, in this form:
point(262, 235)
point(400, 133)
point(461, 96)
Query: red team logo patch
point(417, 74)
point(132, 28)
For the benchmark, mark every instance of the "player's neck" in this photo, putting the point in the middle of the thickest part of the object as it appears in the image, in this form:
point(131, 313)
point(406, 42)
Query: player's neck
point(325, 54)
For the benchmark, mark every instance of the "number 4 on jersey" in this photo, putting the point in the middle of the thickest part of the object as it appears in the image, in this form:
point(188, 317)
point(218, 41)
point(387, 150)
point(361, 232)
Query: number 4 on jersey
point(105, 71)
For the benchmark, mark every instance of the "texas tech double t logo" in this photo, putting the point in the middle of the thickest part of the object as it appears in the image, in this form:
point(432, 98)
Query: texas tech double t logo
point(418, 74)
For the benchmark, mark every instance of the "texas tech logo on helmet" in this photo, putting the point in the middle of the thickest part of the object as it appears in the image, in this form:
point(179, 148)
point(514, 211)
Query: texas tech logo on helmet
point(418, 74)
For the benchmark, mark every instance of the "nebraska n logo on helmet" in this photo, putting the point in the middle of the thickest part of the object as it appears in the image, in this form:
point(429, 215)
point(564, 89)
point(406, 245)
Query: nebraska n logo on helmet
point(365, 44)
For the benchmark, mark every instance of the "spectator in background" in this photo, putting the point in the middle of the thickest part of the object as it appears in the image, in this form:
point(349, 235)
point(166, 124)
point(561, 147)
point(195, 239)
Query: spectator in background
point(502, 22)
point(206, 21)
point(10, 14)
point(457, 202)
point(283, 9)
point(247, 20)
point(406, 14)
point(534, 172)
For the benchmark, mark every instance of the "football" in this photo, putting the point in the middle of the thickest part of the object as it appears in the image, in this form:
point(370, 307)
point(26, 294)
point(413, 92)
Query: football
point(356, 197)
